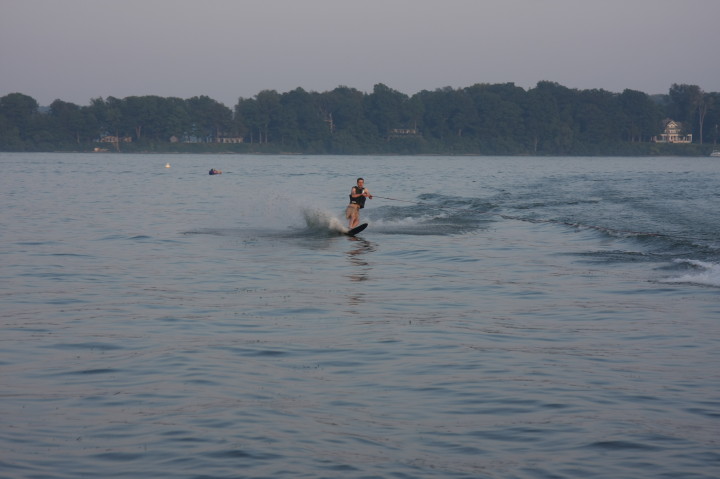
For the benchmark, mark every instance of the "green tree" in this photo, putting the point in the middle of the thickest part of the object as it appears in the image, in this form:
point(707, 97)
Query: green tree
point(641, 117)
point(208, 118)
point(108, 114)
point(547, 118)
point(299, 121)
point(143, 114)
point(500, 125)
point(705, 104)
point(69, 122)
point(597, 117)
point(683, 102)
point(18, 119)
point(344, 112)
point(176, 119)
point(246, 115)
point(462, 115)
point(687, 106)
point(712, 119)
point(267, 109)
point(437, 106)
point(387, 109)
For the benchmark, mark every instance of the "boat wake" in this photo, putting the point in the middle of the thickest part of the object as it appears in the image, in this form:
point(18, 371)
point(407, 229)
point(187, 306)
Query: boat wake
point(432, 214)
point(697, 272)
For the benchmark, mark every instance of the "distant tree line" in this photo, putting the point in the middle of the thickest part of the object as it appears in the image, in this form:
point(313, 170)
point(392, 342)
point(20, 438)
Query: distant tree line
point(492, 119)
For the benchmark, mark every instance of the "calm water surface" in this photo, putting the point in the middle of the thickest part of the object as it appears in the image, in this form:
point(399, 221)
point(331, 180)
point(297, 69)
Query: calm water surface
point(500, 317)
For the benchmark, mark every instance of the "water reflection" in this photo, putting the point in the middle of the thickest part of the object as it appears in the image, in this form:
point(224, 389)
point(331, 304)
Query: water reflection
point(361, 268)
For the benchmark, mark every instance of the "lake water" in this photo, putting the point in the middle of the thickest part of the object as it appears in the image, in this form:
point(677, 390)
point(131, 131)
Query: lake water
point(499, 318)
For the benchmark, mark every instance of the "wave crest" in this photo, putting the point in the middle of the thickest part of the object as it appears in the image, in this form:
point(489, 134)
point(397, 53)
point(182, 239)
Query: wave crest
point(701, 272)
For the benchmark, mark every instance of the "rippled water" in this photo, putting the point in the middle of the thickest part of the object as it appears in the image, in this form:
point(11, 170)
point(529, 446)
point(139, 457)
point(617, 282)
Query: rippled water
point(500, 317)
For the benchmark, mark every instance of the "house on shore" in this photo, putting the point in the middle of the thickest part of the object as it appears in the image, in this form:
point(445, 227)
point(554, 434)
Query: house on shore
point(673, 133)
point(115, 139)
point(229, 139)
point(403, 133)
point(217, 139)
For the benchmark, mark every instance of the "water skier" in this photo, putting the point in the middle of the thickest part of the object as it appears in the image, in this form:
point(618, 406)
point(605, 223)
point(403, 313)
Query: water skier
point(358, 194)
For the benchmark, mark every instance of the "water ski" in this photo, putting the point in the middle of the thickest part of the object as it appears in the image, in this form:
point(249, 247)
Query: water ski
point(356, 230)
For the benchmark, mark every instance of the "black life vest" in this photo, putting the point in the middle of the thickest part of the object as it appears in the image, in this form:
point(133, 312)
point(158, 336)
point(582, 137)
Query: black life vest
point(360, 200)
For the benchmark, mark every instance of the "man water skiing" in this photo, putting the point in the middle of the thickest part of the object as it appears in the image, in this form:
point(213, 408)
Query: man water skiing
point(358, 194)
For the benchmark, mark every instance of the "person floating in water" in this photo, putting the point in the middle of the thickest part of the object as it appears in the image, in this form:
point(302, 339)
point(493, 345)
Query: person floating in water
point(213, 171)
point(358, 194)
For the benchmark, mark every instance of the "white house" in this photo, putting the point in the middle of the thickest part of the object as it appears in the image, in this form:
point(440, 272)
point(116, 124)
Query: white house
point(673, 134)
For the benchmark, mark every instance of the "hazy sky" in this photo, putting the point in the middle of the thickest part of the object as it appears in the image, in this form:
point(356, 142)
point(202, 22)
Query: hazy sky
point(76, 50)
